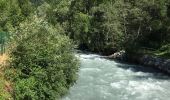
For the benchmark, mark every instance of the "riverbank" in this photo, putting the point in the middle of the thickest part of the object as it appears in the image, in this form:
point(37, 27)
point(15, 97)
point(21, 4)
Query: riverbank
point(162, 64)
point(151, 61)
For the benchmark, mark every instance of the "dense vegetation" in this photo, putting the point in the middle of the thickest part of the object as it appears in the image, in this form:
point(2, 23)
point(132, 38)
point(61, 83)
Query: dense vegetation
point(42, 64)
point(106, 26)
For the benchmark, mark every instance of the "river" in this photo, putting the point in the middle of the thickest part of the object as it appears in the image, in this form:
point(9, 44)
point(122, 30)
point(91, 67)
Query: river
point(103, 79)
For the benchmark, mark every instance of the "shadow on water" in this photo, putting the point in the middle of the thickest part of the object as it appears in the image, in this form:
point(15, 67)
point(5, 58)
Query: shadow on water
point(150, 72)
point(86, 52)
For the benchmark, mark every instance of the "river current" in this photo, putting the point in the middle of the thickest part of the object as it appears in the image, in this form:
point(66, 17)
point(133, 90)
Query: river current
point(103, 79)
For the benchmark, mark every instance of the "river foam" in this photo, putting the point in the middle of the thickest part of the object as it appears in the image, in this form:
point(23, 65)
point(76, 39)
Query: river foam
point(102, 79)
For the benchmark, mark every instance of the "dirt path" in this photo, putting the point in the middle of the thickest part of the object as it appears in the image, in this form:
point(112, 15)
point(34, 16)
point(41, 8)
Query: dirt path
point(3, 59)
point(5, 86)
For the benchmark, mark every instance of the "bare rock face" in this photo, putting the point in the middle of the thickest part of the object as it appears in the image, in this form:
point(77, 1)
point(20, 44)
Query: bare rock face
point(146, 60)
point(159, 63)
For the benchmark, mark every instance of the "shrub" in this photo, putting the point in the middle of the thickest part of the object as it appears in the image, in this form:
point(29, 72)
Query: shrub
point(42, 65)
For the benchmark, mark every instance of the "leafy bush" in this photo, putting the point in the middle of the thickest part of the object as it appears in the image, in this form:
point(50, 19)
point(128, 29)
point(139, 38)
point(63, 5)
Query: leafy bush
point(42, 65)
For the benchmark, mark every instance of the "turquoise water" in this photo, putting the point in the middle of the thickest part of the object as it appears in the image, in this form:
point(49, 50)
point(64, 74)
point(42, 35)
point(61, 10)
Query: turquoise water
point(102, 79)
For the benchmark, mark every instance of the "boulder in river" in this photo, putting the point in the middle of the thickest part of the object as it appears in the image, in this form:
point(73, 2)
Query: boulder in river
point(121, 55)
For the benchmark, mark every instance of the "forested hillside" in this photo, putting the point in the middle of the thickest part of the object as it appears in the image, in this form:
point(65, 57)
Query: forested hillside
point(106, 26)
point(39, 37)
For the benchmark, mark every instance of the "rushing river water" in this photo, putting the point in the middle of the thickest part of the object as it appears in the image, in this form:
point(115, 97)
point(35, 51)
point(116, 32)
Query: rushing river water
point(102, 79)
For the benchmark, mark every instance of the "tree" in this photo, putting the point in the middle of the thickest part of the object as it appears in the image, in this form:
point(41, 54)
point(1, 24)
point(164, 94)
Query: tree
point(38, 65)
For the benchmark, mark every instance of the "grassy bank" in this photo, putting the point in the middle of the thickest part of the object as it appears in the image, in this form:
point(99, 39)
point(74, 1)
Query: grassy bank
point(162, 52)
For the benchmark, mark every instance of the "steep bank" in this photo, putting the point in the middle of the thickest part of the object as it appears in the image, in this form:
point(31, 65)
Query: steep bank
point(152, 61)
point(144, 59)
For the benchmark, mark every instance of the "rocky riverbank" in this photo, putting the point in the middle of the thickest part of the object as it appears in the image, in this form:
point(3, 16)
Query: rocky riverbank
point(146, 60)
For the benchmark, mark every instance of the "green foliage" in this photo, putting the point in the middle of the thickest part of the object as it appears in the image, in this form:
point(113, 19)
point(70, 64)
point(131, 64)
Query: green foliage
point(80, 27)
point(26, 7)
point(43, 65)
point(95, 25)
point(164, 51)
point(13, 12)
point(58, 11)
point(122, 24)
point(42, 60)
